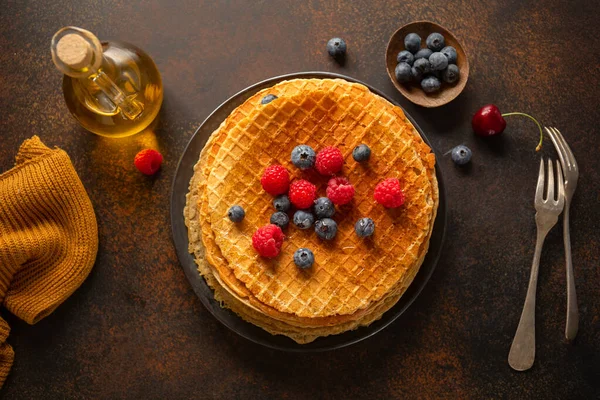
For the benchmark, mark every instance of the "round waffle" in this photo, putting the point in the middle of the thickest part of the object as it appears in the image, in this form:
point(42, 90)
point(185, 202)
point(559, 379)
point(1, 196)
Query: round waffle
point(353, 280)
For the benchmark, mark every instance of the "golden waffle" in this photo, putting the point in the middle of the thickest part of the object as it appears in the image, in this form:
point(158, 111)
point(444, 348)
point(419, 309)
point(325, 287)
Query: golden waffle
point(369, 118)
point(221, 294)
point(349, 273)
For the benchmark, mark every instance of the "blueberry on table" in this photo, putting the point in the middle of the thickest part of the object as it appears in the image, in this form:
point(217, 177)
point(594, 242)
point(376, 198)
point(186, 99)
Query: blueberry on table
point(336, 48)
point(435, 41)
point(451, 74)
point(304, 258)
point(431, 84)
point(236, 214)
point(461, 155)
point(423, 53)
point(422, 65)
point(450, 53)
point(412, 42)
point(403, 72)
point(406, 57)
point(438, 61)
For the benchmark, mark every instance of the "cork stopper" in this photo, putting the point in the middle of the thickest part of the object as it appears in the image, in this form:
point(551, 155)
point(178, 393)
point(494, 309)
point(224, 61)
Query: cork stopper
point(74, 51)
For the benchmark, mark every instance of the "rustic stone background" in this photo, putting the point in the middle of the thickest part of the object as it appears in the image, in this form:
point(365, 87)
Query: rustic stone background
point(135, 329)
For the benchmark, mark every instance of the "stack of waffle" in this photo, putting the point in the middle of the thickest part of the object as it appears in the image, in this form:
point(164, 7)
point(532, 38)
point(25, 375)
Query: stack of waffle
point(353, 280)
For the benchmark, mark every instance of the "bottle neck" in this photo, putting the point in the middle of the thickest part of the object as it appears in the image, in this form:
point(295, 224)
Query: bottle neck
point(76, 52)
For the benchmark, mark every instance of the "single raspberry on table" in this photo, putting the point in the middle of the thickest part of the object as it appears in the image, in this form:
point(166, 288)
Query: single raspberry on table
point(275, 180)
point(389, 194)
point(302, 193)
point(329, 161)
point(340, 191)
point(148, 161)
point(267, 240)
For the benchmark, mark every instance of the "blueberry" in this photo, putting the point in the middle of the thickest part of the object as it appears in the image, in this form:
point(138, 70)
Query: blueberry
point(422, 65)
point(336, 48)
point(326, 228)
point(406, 57)
point(431, 84)
point(268, 98)
point(423, 53)
point(361, 153)
point(280, 219)
point(303, 156)
point(304, 258)
point(438, 61)
point(236, 214)
point(403, 73)
point(450, 53)
point(451, 74)
point(412, 42)
point(303, 219)
point(324, 208)
point(437, 74)
point(435, 41)
point(282, 203)
point(461, 155)
point(364, 227)
point(416, 74)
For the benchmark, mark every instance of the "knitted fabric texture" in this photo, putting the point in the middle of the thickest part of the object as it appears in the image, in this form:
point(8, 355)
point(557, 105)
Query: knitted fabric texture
point(48, 237)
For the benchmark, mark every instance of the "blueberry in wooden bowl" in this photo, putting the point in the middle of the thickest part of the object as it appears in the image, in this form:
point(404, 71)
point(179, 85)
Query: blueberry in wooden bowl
point(435, 82)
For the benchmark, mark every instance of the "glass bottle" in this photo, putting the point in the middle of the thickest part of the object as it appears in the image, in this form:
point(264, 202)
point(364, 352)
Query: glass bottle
point(112, 88)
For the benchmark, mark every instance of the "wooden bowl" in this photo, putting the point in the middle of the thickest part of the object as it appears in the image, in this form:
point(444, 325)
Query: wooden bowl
point(413, 91)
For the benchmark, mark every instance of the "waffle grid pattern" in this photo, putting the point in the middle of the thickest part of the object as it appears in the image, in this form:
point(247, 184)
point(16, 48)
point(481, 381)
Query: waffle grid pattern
point(322, 285)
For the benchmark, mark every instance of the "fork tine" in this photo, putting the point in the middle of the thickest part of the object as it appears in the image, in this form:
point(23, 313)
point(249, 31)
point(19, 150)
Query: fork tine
point(561, 186)
point(557, 145)
point(570, 154)
point(560, 145)
point(539, 190)
point(550, 195)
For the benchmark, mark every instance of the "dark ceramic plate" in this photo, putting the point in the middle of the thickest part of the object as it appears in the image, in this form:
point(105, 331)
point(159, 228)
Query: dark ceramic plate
point(231, 320)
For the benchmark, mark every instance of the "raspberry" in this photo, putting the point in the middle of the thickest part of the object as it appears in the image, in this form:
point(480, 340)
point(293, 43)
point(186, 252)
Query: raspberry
point(267, 240)
point(389, 194)
point(329, 161)
point(302, 194)
point(340, 191)
point(148, 161)
point(275, 180)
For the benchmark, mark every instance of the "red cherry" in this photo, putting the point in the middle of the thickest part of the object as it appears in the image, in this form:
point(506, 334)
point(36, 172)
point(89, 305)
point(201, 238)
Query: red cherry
point(488, 121)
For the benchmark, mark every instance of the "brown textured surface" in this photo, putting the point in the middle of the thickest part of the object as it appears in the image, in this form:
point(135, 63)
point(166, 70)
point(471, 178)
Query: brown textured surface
point(135, 328)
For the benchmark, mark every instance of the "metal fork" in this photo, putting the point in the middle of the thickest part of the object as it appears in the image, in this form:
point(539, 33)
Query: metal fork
point(571, 172)
point(522, 350)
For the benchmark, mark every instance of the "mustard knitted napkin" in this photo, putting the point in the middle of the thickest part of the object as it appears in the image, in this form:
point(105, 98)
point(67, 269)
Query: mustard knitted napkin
point(48, 237)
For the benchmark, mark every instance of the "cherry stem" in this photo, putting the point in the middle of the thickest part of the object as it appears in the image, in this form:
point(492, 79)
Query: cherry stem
point(539, 146)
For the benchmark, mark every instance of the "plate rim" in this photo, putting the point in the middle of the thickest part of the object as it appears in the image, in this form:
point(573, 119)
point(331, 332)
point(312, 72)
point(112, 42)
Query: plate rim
point(200, 286)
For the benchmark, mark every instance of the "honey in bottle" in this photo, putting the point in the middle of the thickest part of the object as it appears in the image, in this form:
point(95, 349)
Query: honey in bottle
point(112, 88)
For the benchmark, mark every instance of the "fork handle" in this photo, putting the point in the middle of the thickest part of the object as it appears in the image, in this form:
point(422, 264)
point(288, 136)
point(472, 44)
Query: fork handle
point(522, 350)
point(572, 324)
